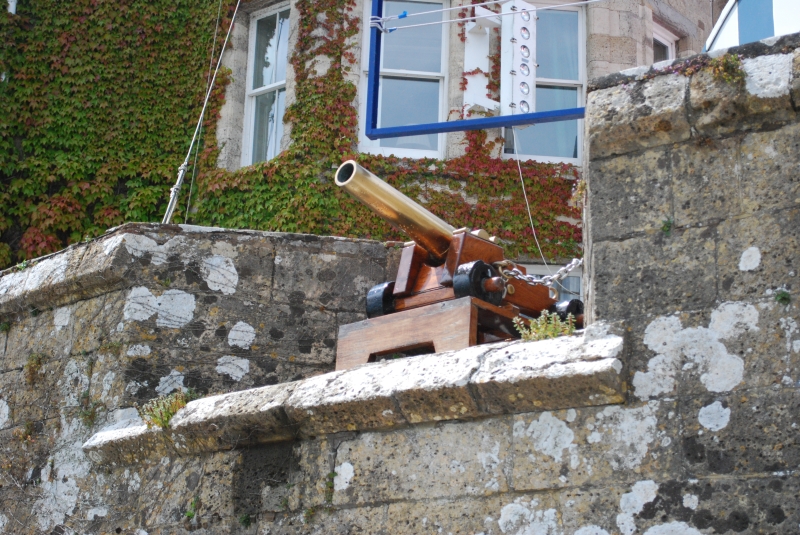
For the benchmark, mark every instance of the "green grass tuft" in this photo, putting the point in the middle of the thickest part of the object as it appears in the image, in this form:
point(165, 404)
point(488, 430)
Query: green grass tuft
point(159, 411)
point(544, 327)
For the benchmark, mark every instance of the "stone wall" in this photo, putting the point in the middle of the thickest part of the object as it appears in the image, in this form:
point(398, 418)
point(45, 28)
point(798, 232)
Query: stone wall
point(693, 226)
point(675, 413)
point(145, 310)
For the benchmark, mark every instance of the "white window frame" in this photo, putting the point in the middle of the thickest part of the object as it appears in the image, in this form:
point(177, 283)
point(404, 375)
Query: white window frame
point(580, 84)
point(666, 37)
point(251, 94)
point(369, 146)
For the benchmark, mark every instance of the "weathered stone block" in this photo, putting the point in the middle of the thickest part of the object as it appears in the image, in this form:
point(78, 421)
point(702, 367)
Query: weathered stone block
point(743, 433)
point(12, 286)
point(705, 181)
point(658, 272)
point(602, 446)
point(759, 254)
point(239, 418)
point(590, 508)
point(362, 520)
point(551, 374)
point(336, 278)
point(47, 282)
point(302, 334)
point(357, 399)
point(493, 514)
point(763, 100)
point(630, 195)
point(476, 467)
point(128, 445)
point(733, 347)
point(771, 169)
point(315, 460)
point(719, 505)
point(625, 118)
point(38, 335)
point(434, 387)
point(43, 388)
point(209, 478)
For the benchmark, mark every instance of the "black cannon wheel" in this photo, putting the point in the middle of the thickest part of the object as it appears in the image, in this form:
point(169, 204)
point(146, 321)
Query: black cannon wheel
point(565, 308)
point(380, 300)
point(468, 282)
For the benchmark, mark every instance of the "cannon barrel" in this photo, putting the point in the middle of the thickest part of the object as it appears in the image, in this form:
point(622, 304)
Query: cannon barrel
point(427, 230)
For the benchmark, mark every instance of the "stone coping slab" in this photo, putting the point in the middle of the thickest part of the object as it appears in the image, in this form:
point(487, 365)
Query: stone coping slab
point(483, 381)
point(105, 264)
point(661, 105)
point(771, 45)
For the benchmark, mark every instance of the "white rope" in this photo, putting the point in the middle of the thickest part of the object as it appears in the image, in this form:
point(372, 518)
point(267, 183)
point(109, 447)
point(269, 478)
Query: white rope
point(378, 22)
point(174, 190)
point(575, 261)
point(527, 204)
point(208, 82)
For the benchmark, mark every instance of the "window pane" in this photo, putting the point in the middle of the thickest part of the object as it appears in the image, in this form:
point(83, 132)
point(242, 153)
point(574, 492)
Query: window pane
point(549, 139)
point(272, 42)
point(569, 288)
point(405, 102)
point(660, 51)
point(268, 125)
point(557, 45)
point(415, 49)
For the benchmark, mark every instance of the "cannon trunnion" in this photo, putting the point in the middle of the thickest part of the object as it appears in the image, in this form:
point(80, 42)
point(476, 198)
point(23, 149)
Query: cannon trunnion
point(446, 281)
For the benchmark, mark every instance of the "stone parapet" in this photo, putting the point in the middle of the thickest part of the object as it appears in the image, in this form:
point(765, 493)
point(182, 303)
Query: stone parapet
point(656, 106)
point(478, 382)
point(160, 307)
point(693, 239)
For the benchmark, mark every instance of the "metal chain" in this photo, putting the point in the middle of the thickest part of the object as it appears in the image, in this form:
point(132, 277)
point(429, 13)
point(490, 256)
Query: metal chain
point(547, 280)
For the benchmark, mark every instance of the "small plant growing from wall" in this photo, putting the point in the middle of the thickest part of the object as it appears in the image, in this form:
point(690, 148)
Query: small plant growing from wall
point(25, 433)
point(666, 226)
point(5, 327)
point(783, 297)
point(727, 69)
point(110, 347)
point(193, 505)
point(89, 409)
point(544, 327)
point(245, 520)
point(33, 368)
point(159, 411)
point(329, 487)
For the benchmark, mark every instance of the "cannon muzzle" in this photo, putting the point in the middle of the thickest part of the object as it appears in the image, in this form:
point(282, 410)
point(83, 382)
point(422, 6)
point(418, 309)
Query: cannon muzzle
point(427, 230)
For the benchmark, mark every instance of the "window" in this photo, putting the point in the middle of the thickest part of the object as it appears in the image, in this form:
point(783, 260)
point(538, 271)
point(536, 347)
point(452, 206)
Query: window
point(560, 77)
point(413, 79)
point(663, 44)
point(569, 288)
point(266, 85)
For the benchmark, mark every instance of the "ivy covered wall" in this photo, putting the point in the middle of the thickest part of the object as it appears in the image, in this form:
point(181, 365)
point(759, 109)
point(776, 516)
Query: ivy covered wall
point(99, 103)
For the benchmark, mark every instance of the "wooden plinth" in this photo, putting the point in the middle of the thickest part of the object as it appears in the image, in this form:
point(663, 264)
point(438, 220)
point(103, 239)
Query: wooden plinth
point(446, 326)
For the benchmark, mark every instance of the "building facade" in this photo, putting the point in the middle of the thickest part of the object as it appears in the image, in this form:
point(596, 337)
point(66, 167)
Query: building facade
point(423, 72)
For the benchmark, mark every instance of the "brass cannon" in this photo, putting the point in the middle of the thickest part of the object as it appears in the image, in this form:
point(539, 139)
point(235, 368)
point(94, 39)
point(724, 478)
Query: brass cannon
point(448, 292)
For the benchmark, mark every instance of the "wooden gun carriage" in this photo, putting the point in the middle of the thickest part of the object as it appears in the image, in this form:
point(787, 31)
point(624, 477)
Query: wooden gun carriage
point(448, 293)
